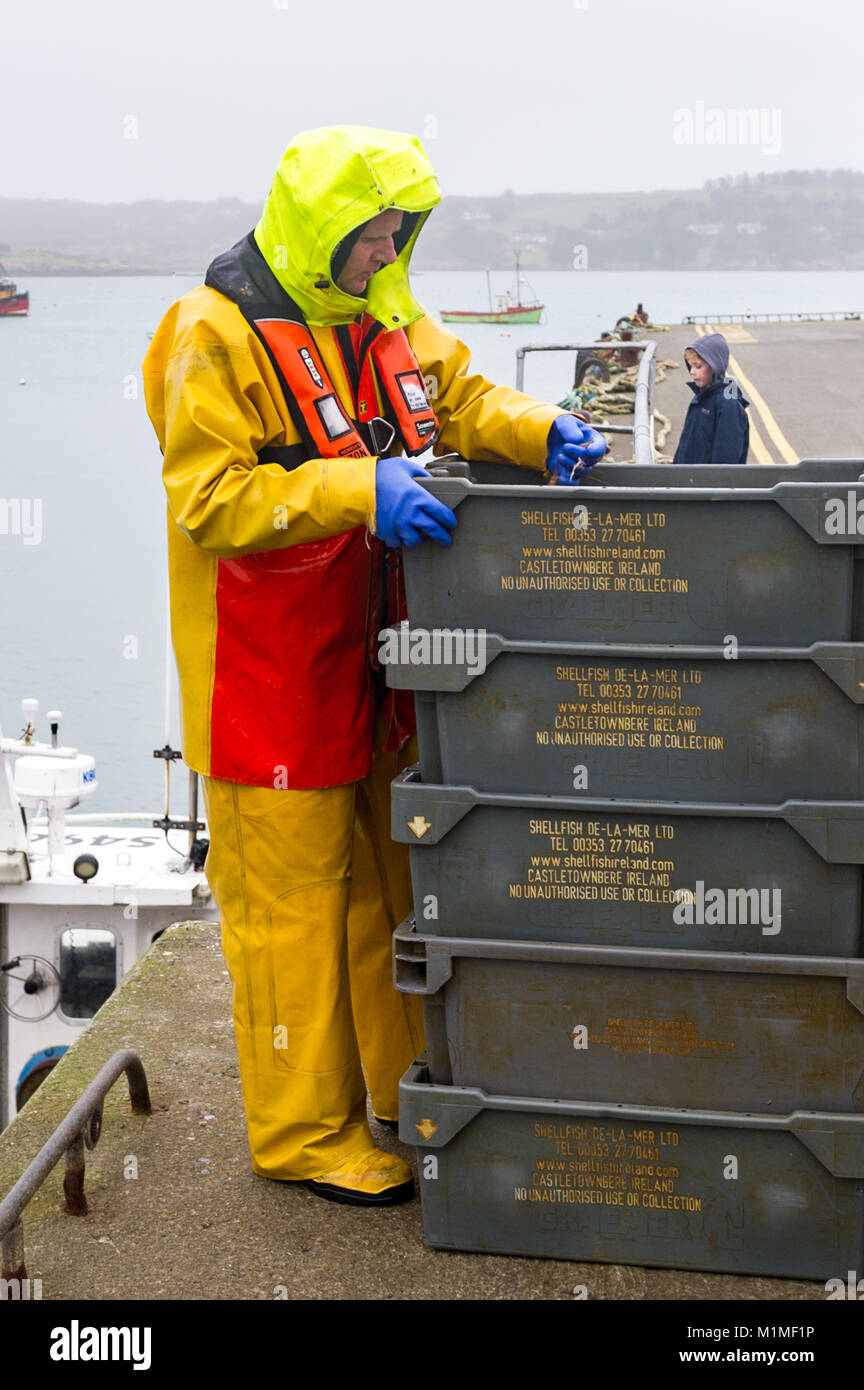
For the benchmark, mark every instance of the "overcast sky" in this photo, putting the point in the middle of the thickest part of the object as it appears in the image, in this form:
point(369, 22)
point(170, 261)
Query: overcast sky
point(107, 100)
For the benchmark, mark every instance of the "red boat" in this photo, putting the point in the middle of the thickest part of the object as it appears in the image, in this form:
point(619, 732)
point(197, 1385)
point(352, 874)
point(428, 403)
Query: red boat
point(11, 301)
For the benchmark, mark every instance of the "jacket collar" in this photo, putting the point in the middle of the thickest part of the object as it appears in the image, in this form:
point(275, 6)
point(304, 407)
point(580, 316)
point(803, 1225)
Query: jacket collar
point(702, 392)
point(243, 275)
point(713, 387)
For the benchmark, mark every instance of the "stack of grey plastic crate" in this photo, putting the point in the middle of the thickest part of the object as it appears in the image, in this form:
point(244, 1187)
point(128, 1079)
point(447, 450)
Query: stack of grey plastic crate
point(637, 833)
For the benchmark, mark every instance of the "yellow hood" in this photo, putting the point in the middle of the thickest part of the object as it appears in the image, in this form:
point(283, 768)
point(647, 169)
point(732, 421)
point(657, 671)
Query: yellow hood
point(329, 183)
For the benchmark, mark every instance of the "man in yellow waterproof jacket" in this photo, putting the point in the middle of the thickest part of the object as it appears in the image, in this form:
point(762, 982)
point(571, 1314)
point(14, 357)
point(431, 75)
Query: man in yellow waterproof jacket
point(289, 394)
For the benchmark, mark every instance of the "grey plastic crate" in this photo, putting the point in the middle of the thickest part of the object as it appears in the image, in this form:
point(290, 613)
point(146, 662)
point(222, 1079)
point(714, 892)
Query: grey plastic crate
point(650, 564)
point(641, 1027)
point(846, 470)
point(638, 722)
point(743, 1194)
point(599, 872)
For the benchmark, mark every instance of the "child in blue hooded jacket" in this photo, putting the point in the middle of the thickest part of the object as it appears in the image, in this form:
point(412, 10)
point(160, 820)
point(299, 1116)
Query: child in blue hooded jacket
point(716, 428)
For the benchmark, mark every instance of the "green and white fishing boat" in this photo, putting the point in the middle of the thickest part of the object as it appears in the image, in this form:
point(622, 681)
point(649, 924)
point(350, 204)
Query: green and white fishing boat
point(507, 308)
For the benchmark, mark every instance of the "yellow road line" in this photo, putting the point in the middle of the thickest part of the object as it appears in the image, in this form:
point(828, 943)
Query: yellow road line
point(737, 333)
point(772, 428)
point(757, 446)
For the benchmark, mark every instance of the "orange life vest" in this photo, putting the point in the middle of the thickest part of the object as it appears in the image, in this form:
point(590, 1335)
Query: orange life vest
point(296, 678)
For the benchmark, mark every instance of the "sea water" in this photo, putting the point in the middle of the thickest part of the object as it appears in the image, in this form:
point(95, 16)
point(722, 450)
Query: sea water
point(83, 594)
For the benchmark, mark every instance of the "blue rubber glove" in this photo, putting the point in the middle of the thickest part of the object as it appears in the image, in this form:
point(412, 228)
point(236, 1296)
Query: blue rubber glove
point(405, 513)
point(574, 448)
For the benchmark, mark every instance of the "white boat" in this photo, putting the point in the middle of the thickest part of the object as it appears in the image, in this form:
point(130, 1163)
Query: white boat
point(81, 898)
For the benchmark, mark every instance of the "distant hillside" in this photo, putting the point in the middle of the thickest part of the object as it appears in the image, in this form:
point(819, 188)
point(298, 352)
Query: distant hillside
point(61, 237)
point(796, 220)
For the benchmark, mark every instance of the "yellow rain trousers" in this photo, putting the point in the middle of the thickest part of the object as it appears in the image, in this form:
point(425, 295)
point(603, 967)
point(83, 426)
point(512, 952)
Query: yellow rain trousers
point(308, 882)
point(310, 888)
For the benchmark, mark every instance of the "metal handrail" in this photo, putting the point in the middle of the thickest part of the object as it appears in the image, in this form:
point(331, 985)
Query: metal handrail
point(643, 407)
point(82, 1126)
point(103, 818)
point(642, 428)
point(829, 316)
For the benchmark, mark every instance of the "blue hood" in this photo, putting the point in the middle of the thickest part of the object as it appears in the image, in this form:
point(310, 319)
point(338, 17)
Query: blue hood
point(714, 350)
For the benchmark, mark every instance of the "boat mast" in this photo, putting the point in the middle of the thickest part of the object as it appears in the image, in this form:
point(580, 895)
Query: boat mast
point(518, 282)
point(489, 288)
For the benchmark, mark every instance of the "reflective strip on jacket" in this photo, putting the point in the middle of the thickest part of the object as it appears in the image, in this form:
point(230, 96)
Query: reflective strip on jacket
point(215, 403)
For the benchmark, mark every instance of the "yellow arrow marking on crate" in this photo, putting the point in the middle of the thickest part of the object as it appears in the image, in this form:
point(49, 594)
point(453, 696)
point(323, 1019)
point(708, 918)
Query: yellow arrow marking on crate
point(426, 1128)
point(419, 825)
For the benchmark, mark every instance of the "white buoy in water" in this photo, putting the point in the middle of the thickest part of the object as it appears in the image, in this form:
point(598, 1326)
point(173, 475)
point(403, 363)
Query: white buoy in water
point(22, 382)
